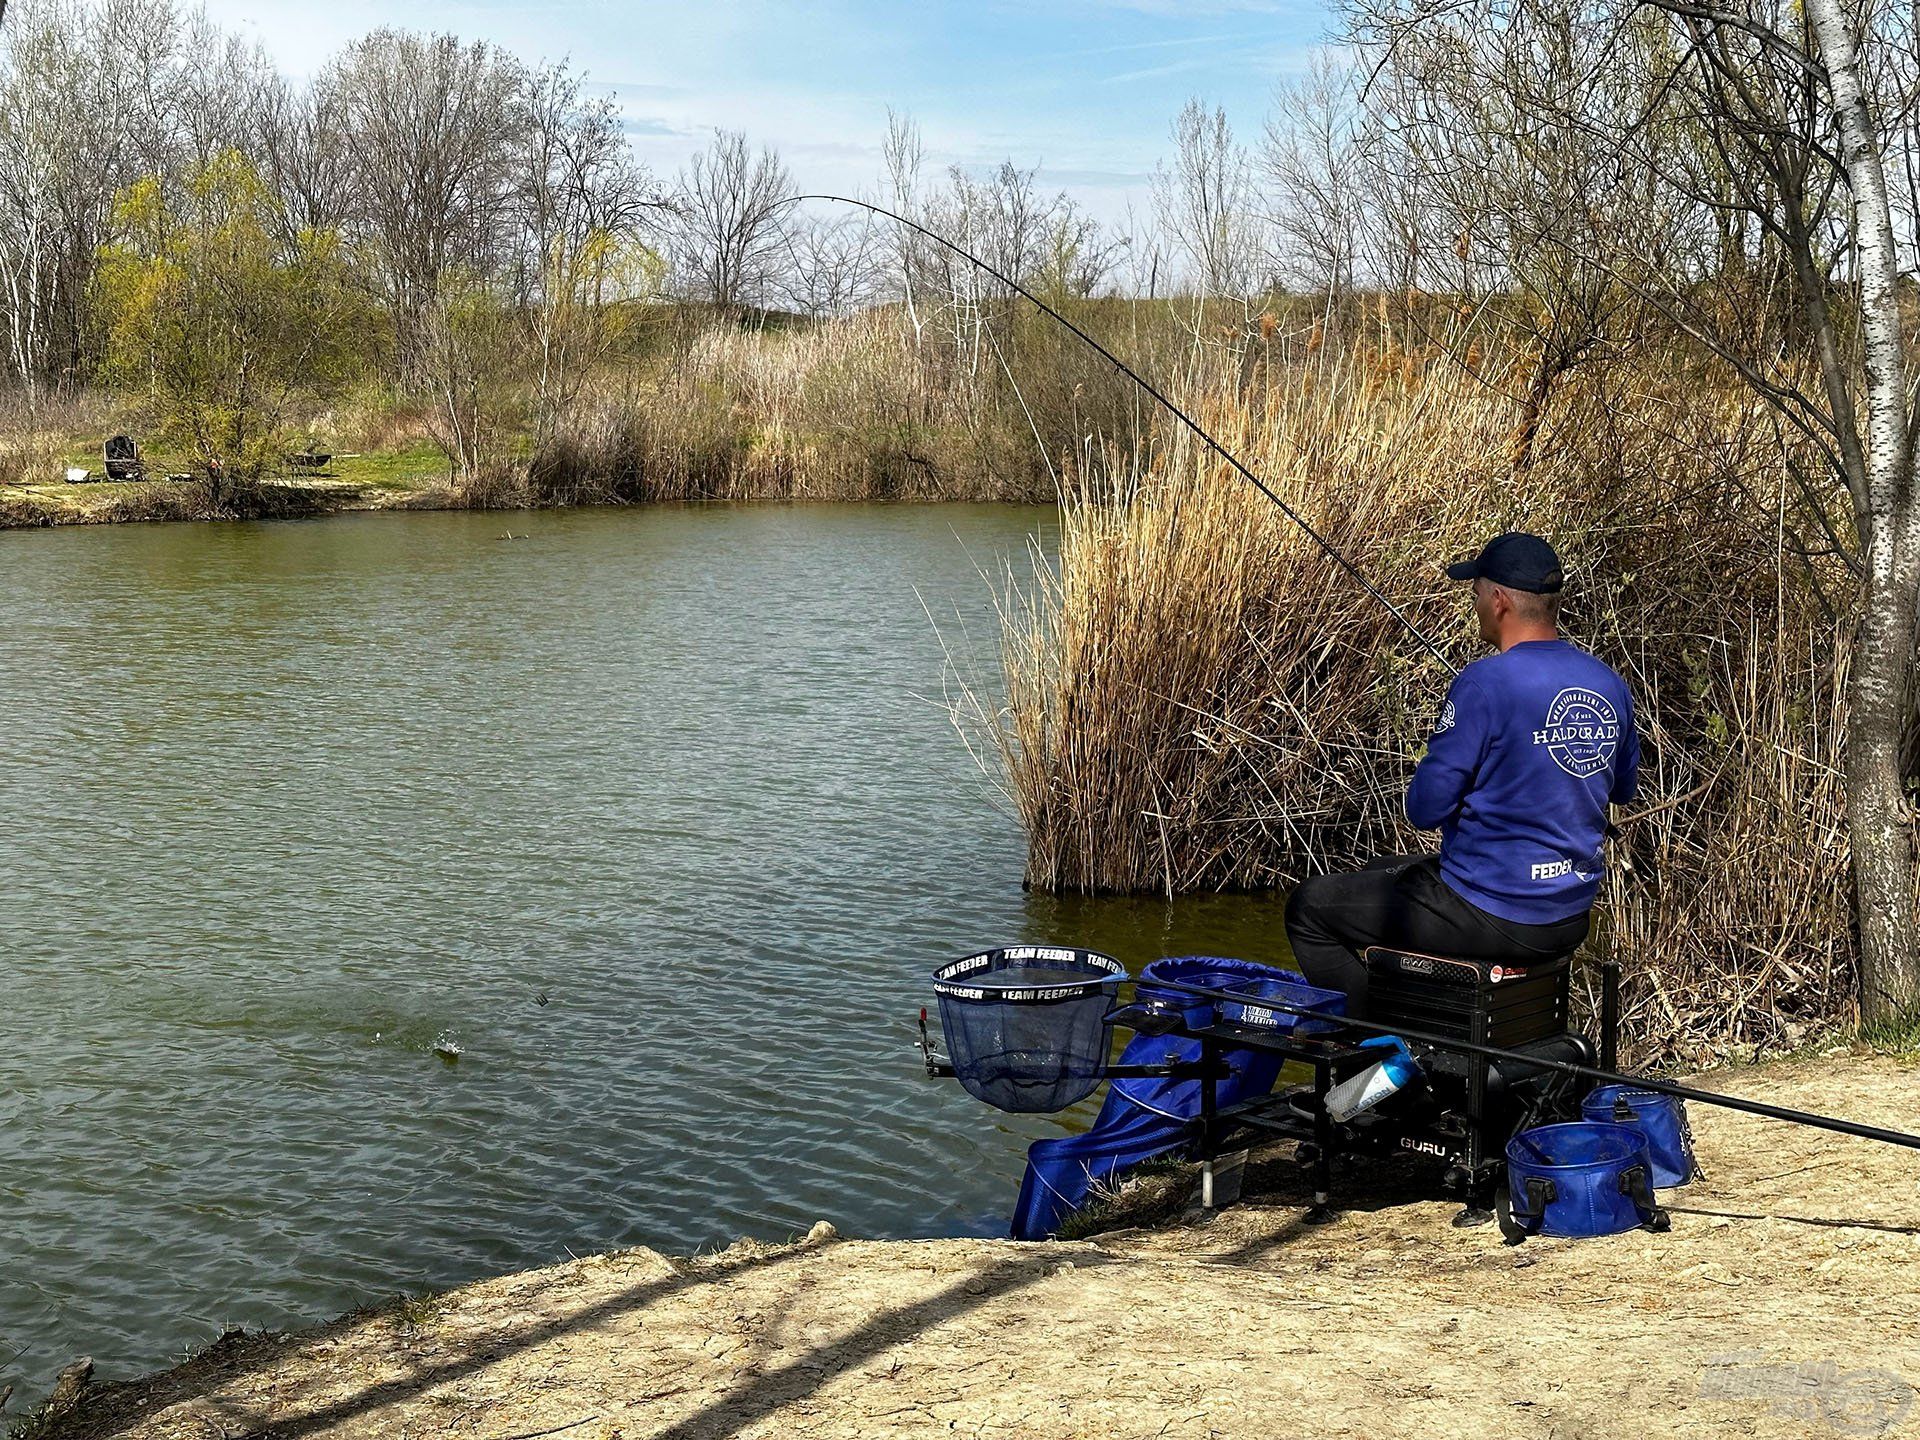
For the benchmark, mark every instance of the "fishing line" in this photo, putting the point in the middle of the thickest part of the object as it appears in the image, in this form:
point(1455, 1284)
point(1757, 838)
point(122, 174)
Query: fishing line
point(1326, 545)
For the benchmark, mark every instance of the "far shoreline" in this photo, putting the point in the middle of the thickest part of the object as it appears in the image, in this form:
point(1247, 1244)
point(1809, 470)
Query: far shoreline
point(62, 504)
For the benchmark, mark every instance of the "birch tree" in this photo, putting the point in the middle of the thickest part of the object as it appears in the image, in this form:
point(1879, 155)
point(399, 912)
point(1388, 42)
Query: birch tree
point(1879, 813)
point(64, 152)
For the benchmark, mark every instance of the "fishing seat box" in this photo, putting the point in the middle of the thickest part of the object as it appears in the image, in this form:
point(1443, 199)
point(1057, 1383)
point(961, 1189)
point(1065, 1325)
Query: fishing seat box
point(1475, 1000)
point(1485, 1003)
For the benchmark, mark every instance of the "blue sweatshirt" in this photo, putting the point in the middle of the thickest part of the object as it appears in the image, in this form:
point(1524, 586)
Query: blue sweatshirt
point(1532, 746)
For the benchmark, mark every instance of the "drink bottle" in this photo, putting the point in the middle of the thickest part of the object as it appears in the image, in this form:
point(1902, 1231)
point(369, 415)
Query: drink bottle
point(1376, 1082)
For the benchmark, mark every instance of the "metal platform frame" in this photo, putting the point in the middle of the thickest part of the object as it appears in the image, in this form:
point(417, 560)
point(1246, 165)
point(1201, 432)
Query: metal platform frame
point(1331, 1058)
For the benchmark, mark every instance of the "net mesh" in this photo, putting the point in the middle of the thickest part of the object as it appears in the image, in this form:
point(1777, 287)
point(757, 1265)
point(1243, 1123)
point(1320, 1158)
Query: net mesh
point(1028, 1028)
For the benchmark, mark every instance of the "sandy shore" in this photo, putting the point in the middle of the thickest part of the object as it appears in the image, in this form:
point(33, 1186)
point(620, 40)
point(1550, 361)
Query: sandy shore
point(1785, 1302)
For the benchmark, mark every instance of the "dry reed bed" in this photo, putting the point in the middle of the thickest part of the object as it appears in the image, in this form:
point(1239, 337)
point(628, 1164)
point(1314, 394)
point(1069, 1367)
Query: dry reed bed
point(1198, 699)
point(857, 409)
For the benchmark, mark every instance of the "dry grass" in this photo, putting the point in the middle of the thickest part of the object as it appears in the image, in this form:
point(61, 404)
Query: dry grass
point(858, 409)
point(1198, 699)
point(36, 435)
point(372, 418)
point(830, 412)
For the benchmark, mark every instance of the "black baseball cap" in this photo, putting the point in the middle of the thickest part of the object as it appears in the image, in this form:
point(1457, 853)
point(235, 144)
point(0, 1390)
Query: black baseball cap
point(1516, 560)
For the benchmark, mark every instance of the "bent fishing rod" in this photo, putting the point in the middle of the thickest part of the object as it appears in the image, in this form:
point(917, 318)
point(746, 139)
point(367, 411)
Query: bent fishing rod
point(1312, 533)
point(1331, 550)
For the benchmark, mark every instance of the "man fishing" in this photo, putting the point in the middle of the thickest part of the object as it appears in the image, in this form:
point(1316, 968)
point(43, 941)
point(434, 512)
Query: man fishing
point(1532, 746)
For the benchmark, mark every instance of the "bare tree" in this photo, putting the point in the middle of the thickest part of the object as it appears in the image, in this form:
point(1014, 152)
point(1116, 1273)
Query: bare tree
point(1140, 254)
point(1078, 255)
point(1014, 220)
point(221, 90)
point(65, 149)
point(429, 122)
point(835, 265)
point(35, 150)
point(1205, 201)
point(903, 156)
point(1521, 187)
point(583, 210)
point(1310, 159)
point(305, 154)
point(730, 229)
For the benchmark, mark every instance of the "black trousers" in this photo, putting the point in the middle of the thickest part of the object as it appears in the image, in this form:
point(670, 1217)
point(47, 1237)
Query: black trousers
point(1401, 901)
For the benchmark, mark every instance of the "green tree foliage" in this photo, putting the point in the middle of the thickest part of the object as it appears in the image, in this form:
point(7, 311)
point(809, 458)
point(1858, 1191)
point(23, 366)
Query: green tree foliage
point(585, 314)
point(219, 325)
point(471, 354)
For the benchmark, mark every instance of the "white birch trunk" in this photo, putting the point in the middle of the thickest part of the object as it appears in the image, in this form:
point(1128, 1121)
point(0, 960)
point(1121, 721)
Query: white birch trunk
point(1878, 817)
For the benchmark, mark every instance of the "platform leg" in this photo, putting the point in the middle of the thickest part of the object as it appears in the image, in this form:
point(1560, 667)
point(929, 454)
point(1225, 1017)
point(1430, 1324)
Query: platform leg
point(1321, 1211)
point(1477, 1203)
point(1209, 1111)
point(1471, 1217)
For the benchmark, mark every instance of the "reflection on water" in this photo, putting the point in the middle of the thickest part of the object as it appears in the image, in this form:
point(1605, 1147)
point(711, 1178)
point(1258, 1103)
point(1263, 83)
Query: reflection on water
point(389, 905)
point(1138, 929)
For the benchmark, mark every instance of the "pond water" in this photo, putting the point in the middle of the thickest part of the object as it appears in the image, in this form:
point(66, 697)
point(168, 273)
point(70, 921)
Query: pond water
point(391, 903)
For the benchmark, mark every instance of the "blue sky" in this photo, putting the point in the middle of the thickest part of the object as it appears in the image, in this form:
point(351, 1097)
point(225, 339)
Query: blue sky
point(1084, 88)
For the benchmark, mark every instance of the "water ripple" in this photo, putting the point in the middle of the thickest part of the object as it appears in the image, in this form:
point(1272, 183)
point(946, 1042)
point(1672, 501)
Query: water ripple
point(290, 806)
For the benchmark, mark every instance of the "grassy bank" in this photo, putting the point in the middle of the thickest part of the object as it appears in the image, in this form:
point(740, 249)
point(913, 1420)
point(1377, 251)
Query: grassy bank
point(394, 463)
point(106, 503)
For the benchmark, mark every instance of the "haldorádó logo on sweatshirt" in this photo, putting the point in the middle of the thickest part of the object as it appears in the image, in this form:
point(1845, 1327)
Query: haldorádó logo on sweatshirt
point(1582, 732)
point(1542, 741)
